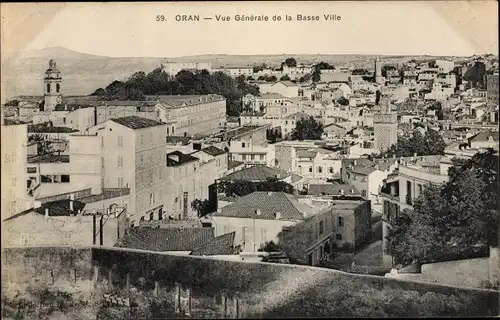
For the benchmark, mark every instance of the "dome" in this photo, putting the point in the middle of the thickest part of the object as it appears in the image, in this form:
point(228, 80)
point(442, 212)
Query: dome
point(52, 71)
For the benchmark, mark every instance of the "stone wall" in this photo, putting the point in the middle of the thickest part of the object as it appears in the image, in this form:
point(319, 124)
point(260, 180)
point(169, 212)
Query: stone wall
point(256, 285)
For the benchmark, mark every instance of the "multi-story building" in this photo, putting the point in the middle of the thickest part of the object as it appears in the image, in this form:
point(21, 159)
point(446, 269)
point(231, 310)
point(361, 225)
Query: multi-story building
point(385, 125)
point(286, 89)
point(492, 88)
point(118, 109)
point(235, 71)
point(401, 188)
point(193, 115)
point(251, 147)
point(188, 178)
point(259, 218)
point(15, 181)
point(173, 68)
point(133, 156)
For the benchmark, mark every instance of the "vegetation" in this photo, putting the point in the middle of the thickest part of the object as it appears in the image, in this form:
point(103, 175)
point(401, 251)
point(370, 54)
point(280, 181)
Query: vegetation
point(285, 78)
point(202, 207)
point(307, 129)
point(462, 213)
point(273, 135)
point(359, 72)
point(270, 246)
point(290, 62)
point(158, 82)
point(423, 145)
point(44, 146)
point(240, 188)
point(343, 101)
point(268, 78)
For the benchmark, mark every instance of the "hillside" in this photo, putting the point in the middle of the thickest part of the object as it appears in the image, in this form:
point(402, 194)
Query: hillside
point(84, 73)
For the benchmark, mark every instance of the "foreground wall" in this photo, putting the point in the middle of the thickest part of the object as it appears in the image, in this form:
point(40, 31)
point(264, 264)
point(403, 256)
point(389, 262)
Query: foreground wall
point(255, 283)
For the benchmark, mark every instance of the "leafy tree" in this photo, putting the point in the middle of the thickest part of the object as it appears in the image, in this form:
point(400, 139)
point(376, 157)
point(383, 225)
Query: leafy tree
point(307, 129)
point(202, 207)
point(343, 101)
point(291, 62)
point(12, 103)
point(285, 78)
point(43, 145)
point(240, 188)
point(158, 82)
point(359, 72)
point(325, 66)
point(461, 213)
point(423, 145)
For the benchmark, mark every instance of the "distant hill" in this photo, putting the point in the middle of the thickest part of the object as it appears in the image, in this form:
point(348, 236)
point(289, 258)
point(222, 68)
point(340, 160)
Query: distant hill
point(84, 73)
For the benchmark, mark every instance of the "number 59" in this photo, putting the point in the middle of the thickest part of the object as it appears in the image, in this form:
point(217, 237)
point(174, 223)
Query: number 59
point(160, 18)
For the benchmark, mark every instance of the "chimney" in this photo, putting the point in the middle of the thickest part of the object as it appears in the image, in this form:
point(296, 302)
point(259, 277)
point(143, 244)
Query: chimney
point(71, 200)
point(352, 190)
point(258, 212)
point(355, 162)
point(277, 215)
point(46, 212)
point(342, 191)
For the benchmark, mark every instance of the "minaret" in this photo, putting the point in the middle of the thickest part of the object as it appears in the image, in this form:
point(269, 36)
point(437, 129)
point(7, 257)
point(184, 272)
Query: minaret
point(52, 87)
point(385, 125)
point(378, 71)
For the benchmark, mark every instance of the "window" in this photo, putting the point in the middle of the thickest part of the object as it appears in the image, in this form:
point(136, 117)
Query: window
point(58, 87)
point(120, 141)
point(24, 239)
point(142, 139)
point(244, 157)
point(263, 235)
point(330, 170)
point(13, 206)
point(151, 216)
point(48, 87)
point(102, 141)
point(243, 144)
point(120, 182)
point(168, 130)
point(65, 178)
point(341, 221)
point(320, 169)
point(151, 198)
point(252, 157)
point(142, 219)
point(310, 169)
point(338, 236)
point(102, 162)
point(142, 159)
point(14, 182)
point(363, 193)
point(160, 214)
point(321, 227)
point(120, 161)
point(261, 157)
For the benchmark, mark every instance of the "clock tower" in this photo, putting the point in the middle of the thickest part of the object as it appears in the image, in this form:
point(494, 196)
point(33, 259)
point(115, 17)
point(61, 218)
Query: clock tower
point(52, 84)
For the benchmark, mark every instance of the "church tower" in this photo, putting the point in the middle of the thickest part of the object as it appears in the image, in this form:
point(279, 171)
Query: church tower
point(385, 125)
point(378, 72)
point(52, 87)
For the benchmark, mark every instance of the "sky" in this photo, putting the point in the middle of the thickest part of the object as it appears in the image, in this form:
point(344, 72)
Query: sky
point(385, 28)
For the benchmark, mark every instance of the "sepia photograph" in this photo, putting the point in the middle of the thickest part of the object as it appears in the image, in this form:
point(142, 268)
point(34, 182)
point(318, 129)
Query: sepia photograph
point(250, 160)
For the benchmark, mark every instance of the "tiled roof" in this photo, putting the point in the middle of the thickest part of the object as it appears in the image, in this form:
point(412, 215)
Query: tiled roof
point(484, 136)
point(107, 193)
point(60, 207)
point(287, 83)
point(71, 107)
point(362, 170)
point(257, 173)
point(332, 189)
point(213, 151)
point(166, 239)
point(135, 122)
point(180, 101)
point(305, 153)
point(182, 158)
point(271, 95)
point(49, 158)
point(221, 245)
point(233, 164)
point(269, 203)
point(178, 139)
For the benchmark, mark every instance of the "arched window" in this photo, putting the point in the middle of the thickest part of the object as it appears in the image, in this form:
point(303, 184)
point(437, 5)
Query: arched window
point(48, 87)
point(58, 87)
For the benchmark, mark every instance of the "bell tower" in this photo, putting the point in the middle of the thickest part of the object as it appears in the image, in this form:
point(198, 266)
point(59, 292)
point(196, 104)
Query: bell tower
point(52, 87)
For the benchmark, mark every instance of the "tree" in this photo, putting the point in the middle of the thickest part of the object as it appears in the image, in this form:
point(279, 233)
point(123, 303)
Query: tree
point(307, 129)
point(423, 145)
point(343, 101)
point(359, 72)
point(285, 78)
point(291, 62)
point(43, 145)
point(240, 188)
point(462, 213)
point(201, 207)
